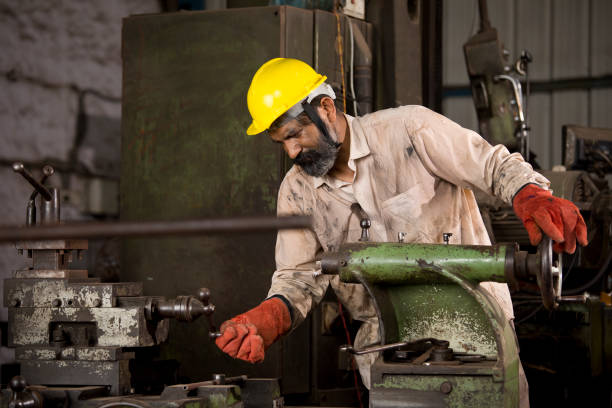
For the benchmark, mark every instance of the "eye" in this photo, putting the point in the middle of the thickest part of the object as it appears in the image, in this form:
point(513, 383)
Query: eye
point(294, 135)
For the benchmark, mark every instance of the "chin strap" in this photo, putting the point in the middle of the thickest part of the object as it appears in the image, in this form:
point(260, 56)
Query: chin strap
point(316, 119)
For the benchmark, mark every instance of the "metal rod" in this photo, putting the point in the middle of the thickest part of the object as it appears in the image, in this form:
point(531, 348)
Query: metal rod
point(193, 386)
point(581, 83)
point(19, 168)
point(153, 228)
point(48, 171)
point(485, 23)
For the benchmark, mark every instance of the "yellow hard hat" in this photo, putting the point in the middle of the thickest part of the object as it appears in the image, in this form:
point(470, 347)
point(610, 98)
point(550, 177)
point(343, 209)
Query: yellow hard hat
point(276, 87)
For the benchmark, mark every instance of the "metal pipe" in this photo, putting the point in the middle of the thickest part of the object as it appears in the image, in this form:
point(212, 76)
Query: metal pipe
point(50, 209)
point(31, 213)
point(153, 228)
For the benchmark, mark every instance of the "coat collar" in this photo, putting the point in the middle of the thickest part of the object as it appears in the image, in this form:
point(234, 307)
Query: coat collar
point(359, 148)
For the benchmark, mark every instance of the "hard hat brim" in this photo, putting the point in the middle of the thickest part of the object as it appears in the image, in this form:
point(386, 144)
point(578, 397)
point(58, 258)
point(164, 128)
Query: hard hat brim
point(254, 129)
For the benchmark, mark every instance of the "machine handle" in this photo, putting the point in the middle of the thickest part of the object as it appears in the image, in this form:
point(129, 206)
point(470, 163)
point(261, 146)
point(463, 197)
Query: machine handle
point(44, 191)
point(392, 346)
point(548, 276)
point(183, 309)
point(21, 396)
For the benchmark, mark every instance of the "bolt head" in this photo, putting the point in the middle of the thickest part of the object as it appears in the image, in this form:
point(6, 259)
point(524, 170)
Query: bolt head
point(446, 387)
point(48, 170)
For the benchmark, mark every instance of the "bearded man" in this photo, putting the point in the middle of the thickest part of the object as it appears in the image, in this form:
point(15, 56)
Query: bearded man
point(408, 170)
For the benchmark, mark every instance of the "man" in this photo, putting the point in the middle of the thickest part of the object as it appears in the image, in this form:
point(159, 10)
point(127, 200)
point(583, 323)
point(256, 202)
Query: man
point(409, 169)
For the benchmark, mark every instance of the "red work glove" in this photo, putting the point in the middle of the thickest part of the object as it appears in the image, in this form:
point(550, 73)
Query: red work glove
point(246, 336)
point(558, 218)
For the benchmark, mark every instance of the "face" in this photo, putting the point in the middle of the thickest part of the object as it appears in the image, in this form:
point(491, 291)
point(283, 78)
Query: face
point(307, 146)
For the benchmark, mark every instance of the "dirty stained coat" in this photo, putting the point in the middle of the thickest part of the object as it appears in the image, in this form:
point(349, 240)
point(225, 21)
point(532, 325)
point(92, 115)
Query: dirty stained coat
point(415, 172)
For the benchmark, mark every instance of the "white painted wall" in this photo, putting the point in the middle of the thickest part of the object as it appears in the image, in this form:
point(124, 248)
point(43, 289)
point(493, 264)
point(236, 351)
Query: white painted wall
point(51, 50)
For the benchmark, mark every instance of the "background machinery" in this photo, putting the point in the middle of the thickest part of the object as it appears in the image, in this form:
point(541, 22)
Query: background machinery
point(566, 352)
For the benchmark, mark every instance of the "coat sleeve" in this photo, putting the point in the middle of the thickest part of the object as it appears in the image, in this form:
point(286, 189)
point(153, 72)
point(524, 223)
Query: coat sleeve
point(296, 252)
point(462, 157)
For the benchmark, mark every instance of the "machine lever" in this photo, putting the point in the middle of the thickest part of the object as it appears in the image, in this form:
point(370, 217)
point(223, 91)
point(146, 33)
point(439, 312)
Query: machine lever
point(183, 309)
point(44, 191)
point(21, 396)
point(392, 346)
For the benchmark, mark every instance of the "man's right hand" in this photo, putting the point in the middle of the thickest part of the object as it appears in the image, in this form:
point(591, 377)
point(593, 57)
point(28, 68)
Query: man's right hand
point(248, 335)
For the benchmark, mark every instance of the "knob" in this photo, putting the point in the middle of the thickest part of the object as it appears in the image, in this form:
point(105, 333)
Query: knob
point(365, 225)
point(18, 384)
point(204, 295)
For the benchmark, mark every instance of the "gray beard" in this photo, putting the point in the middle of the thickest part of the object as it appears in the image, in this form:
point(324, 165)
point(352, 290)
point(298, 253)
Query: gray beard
point(318, 161)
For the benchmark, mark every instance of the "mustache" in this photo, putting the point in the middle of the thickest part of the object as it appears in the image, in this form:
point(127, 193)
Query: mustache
point(318, 161)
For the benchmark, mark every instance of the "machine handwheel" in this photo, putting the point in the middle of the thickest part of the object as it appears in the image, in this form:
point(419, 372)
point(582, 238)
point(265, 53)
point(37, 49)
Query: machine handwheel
point(548, 276)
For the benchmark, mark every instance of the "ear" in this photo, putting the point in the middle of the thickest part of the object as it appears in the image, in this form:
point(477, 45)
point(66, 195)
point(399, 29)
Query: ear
point(327, 109)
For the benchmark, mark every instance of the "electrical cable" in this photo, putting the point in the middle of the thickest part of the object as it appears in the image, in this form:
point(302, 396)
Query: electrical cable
point(569, 269)
point(598, 276)
point(341, 56)
point(529, 316)
point(352, 67)
point(348, 341)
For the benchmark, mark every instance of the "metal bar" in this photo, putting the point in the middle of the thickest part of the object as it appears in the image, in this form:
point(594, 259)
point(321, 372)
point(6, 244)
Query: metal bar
point(391, 263)
point(193, 386)
point(19, 168)
point(485, 23)
point(581, 83)
point(153, 228)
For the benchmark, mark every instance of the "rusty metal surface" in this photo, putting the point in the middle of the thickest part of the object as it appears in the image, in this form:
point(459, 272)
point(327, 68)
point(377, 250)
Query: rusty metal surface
point(250, 392)
point(56, 293)
point(73, 353)
point(115, 327)
point(53, 244)
point(153, 228)
point(115, 374)
point(51, 274)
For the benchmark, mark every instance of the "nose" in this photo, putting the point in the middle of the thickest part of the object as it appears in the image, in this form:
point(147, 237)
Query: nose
point(292, 148)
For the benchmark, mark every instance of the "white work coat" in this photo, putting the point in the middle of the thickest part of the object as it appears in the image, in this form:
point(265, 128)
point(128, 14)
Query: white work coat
point(415, 172)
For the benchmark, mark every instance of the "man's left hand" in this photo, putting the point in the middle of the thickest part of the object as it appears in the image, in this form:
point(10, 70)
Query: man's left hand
point(560, 219)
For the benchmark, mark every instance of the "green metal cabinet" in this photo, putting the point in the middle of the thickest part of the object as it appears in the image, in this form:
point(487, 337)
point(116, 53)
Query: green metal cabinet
point(185, 154)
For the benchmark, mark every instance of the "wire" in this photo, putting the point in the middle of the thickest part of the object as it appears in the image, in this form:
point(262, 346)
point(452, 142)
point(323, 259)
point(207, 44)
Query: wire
point(569, 269)
point(348, 341)
point(600, 273)
point(341, 55)
point(530, 315)
point(352, 67)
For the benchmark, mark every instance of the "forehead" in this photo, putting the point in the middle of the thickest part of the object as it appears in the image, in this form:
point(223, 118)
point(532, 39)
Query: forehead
point(288, 129)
